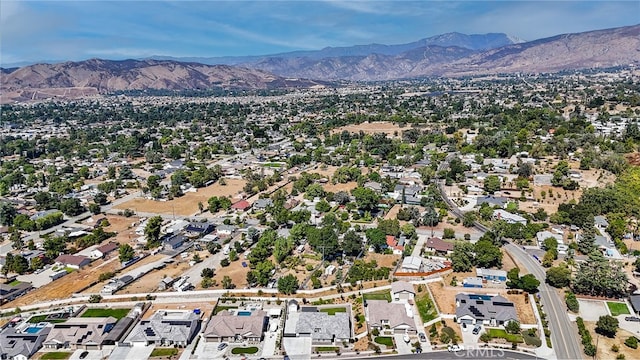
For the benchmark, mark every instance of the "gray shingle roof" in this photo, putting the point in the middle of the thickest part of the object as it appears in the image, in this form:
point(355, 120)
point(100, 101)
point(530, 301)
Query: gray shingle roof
point(323, 326)
point(485, 307)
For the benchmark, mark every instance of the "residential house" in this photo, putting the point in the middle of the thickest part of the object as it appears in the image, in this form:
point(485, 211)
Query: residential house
point(73, 261)
point(174, 242)
point(80, 333)
point(242, 205)
point(412, 264)
point(498, 201)
point(509, 217)
point(491, 274)
point(472, 282)
point(20, 340)
point(492, 310)
point(635, 303)
point(600, 222)
point(542, 180)
point(438, 246)
point(402, 290)
point(231, 326)
point(11, 292)
point(198, 229)
point(393, 244)
point(225, 230)
point(395, 318)
point(166, 328)
point(262, 204)
point(541, 236)
point(103, 250)
point(320, 326)
point(373, 185)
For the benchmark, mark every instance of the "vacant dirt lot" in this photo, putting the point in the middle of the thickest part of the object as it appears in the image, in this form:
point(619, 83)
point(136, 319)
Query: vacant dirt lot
point(188, 204)
point(64, 287)
point(206, 308)
point(604, 343)
point(334, 188)
point(445, 298)
point(383, 260)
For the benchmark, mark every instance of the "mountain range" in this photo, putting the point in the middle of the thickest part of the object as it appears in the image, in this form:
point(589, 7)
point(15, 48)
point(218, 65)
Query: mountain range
point(451, 54)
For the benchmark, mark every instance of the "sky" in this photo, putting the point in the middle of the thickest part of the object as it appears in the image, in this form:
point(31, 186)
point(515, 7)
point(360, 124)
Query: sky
point(53, 30)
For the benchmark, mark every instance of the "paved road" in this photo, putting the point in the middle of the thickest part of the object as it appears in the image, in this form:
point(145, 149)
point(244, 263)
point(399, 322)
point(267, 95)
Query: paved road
point(475, 353)
point(563, 334)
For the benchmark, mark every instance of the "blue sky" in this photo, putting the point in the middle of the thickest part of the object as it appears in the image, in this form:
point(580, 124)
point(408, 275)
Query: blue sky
point(76, 30)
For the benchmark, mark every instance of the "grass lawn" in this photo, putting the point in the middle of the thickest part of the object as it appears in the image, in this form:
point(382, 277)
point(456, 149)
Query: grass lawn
point(43, 318)
point(116, 313)
point(384, 340)
point(164, 352)
point(333, 311)
point(385, 295)
point(221, 308)
point(499, 333)
point(69, 270)
point(326, 348)
point(244, 350)
point(14, 283)
point(426, 308)
point(617, 308)
point(55, 355)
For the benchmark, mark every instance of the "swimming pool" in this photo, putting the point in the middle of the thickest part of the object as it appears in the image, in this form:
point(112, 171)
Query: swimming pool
point(244, 313)
point(32, 329)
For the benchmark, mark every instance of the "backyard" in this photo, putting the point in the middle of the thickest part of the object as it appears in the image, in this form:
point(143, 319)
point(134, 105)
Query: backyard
point(116, 313)
point(382, 295)
point(425, 307)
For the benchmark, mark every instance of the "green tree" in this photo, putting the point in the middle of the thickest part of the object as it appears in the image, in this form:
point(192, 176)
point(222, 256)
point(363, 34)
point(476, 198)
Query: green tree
point(599, 277)
point(288, 284)
point(125, 252)
point(7, 213)
point(152, 231)
point(559, 276)
point(492, 184)
point(468, 219)
point(487, 254)
point(631, 342)
point(587, 241)
point(323, 206)
point(462, 257)
point(366, 199)
point(227, 283)
point(352, 243)
point(71, 207)
point(207, 273)
point(376, 238)
point(529, 283)
point(572, 302)
point(512, 327)
point(607, 325)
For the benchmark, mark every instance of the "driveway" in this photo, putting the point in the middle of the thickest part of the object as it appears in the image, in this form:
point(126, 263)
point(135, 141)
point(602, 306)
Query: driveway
point(298, 348)
point(270, 338)
point(403, 347)
point(132, 352)
point(631, 326)
point(467, 336)
point(591, 310)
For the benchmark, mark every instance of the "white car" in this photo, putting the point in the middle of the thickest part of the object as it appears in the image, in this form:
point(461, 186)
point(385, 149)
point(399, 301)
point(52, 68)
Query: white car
point(455, 347)
point(406, 339)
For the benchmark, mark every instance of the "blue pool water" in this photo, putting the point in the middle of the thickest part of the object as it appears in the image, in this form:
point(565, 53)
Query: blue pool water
point(32, 329)
point(244, 313)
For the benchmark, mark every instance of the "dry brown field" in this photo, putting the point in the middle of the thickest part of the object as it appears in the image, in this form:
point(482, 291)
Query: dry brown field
point(372, 128)
point(604, 343)
point(186, 205)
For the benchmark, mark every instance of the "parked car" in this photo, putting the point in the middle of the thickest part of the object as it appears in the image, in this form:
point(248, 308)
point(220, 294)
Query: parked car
point(406, 339)
point(464, 327)
point(632, 318)
point(422, 337)
point(476, 329)
point(222, 346)
point(453, 348)
point(84, 354)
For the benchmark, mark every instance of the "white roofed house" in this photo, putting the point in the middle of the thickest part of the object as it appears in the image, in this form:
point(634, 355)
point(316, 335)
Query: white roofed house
point(390, 318)
point(508, 217)
point(402, 290)
point(412, 264)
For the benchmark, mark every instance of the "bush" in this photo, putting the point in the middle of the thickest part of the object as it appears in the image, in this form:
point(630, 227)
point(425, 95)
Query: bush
point(631, 342)
point(572, 302)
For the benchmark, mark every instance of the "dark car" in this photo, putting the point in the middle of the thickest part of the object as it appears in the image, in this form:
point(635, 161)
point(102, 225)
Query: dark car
point(84, 354)
point(422, 337)
point(222, 346)
point(476, 330)
point(632, 318)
